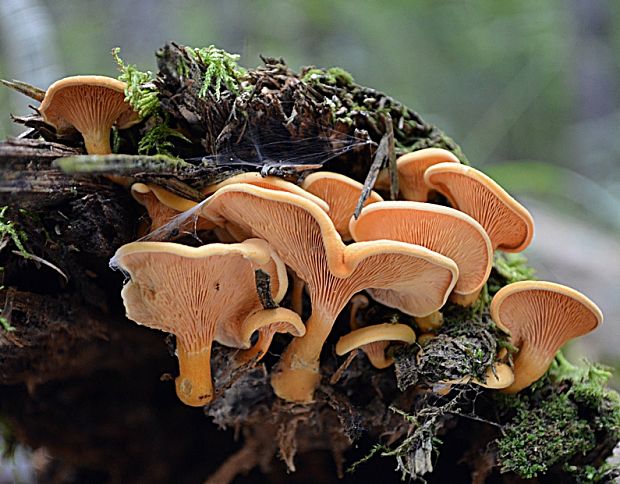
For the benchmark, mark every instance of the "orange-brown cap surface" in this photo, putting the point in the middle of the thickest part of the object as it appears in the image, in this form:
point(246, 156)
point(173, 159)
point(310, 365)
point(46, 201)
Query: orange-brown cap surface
point(373, 341)
point(441, 229)
point(200, 295)
point(92, 105)
point(305, 238)
point(540, 317)
point(341, 194)
point(411, 168)
point(508, 223)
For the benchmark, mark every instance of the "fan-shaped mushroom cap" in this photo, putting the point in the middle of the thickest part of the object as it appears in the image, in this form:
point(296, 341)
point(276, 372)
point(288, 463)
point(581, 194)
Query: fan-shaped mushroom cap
point(508, 223)
point(411, 168)
point(341, 194)
point(374, 340)
point(270, 182)
point(90, 104)
point(200, 295)
point(540, 317)
point(442, 229)
point(307, 241)
point(163, 205)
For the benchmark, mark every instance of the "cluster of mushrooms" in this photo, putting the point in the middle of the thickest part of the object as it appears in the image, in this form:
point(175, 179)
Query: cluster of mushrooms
point(410, 255)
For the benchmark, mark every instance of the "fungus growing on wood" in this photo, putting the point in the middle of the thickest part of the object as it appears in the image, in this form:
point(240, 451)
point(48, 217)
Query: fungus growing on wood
point(341, 194)
point(411, 168)
point(200, 295)
point(541, 317)
point(268, 322)
point(163, 205)
point(270, 182)
point(441, 229)
point(508, 223)
point(303, 235)
point(90, 104)
point(373, 341)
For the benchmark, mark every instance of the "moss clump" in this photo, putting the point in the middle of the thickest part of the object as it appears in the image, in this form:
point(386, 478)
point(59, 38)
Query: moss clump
point(333, 76)
point(156, 141)
point(140, 92)
point(559, 420)
point(221, 69)
point(463, 347)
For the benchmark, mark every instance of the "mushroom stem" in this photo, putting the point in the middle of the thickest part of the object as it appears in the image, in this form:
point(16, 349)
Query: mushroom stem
point(529, 367)
point(297, 374)
point(431, 322)
point(465, 300)
point(194, 386)
point(97, 142)
point(259, 349)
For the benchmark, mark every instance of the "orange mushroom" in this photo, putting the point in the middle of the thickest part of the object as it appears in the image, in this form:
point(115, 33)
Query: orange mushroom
point(508, 223)
point(441, 229)
point(90, 104)
point(200, 295)
point(162, 205)
point(307, 241)
point(411, 168)
point(374, 340)
point(540, 317)
point(341, 194)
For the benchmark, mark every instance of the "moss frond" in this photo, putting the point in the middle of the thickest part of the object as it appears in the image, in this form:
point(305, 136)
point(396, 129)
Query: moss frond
point(140, 92)
point(156, 141)
point(221, 69)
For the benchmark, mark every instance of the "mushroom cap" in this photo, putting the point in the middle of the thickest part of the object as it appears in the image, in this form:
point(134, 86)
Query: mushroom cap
point(200, 295)
point(341, 194)
point(441, 229)
point(305, 238)
point(540, 317)
point(374, 340)
point(270, 182)
point(163, 205)
point(91, 104)
point(508, 223)
point(277, 320)
point(411, 168)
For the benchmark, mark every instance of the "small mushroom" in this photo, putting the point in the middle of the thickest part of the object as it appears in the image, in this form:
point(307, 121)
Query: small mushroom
point(90, 104)
point(508, 223)
point(307, 241)
point(441, 229)
point(162, 205)
point(497, 376)
point(374, 340)
point(200, 295)
point(540, 317)
point(268, 322)
point(411, 168)
point(341, 194)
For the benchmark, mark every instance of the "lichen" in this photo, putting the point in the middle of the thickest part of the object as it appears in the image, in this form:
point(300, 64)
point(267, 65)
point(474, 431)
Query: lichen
point(559, 419)
point(140, 92)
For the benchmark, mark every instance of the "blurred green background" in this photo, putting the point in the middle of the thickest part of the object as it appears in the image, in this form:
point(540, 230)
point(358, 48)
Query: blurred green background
point(530, 89)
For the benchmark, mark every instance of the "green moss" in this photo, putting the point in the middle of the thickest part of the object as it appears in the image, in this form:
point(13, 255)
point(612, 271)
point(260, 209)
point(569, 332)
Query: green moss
point(221, 69)
point(512, 267)
point(157, 140)
point(332, 76)
point(540, 437)
point(140, 92)
point(563, 416)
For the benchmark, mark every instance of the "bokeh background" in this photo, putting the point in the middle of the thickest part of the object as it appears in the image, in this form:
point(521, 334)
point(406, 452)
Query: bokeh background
point(530, 89)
